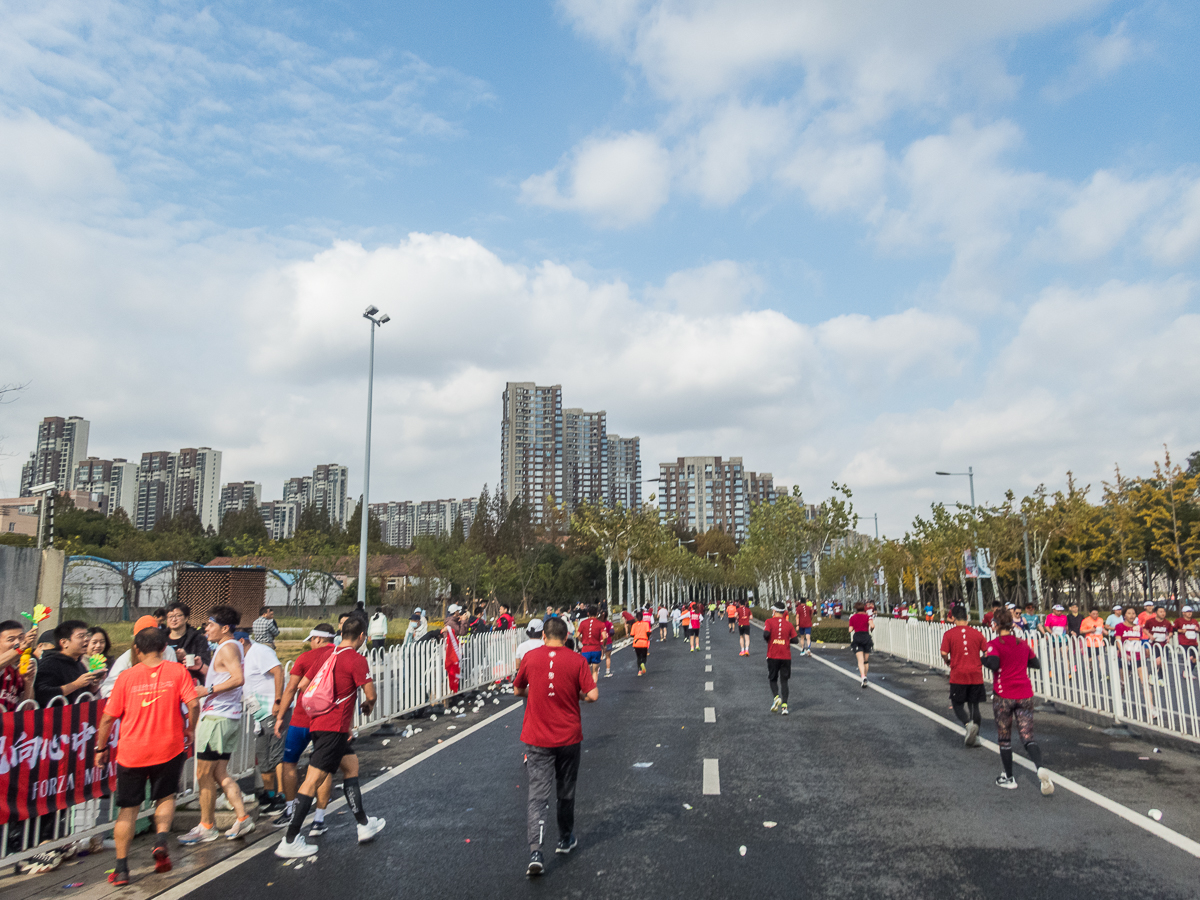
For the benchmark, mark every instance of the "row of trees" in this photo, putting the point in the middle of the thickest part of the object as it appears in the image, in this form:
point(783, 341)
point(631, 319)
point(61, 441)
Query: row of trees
point(1136, 538)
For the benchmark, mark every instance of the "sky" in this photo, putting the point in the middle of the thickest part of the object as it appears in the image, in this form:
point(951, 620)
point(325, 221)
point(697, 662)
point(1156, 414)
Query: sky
point(852, 242)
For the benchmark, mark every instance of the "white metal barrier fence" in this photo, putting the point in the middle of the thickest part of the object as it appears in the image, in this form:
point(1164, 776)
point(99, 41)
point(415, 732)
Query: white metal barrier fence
point(406, 679)
point(1154, 687)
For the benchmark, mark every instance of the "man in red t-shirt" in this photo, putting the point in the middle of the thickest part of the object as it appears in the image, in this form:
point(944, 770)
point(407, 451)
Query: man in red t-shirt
point(332, 747)
point(553, 680)
point(590, 636)
point(743, 623)
point(1158, 629)
point(962, 649)
point(299, 734)
point(779, 635)
point(1187, 632)
point(804, 625)
point(147, 698)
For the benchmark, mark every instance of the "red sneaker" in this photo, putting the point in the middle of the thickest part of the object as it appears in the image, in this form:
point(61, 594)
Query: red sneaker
point(118, 878)
point(162, 860)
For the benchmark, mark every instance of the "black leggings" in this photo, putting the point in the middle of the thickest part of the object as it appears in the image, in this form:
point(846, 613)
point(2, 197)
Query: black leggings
point(961, 711)
point(641, 652)
point(778, 673)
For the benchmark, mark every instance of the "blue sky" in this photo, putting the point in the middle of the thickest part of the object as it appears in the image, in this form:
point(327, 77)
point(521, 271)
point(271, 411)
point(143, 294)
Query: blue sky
point(852, 242)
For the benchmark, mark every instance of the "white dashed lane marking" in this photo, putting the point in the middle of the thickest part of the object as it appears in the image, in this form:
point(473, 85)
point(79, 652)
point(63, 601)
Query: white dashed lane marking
point(708, 685)
point(708, 668)
point(710, 715)
point(712, 777)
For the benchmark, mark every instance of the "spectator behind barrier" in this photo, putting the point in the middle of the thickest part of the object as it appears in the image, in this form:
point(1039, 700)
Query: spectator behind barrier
point(62, 671)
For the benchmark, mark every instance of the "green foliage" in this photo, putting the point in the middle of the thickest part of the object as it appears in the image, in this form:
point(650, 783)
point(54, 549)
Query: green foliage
point(350, 594)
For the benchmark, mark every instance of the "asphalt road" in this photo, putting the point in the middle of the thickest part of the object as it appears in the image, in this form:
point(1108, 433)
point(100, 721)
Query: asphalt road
point(869, 799)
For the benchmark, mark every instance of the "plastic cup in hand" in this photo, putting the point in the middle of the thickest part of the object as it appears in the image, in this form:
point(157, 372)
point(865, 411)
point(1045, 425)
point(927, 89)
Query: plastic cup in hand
point(190, 660)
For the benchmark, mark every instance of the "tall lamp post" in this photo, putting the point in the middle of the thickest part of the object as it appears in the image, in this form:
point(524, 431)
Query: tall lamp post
point(970, 473)
point(370, 315)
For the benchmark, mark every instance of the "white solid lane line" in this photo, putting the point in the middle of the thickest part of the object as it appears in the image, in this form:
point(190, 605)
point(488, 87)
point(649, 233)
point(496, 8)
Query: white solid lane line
point(199, 880)
point(1157, 829)
point(708, 685)
point(710, 715)
point(712, 777)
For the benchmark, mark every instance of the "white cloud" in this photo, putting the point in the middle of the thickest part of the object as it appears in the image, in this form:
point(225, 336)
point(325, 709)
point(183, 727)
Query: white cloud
point(913, 342)
point(1101, 215)
point(734, 149)
point(839, 177)
point(1099, 57)
point(720, 287)
point(620, 181)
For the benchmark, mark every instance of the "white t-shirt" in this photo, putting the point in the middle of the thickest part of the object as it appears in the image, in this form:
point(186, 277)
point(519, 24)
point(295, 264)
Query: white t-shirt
point(662, 615)
point(260, 684)
point(676, 615)
point(124, 661)
point(527, 645)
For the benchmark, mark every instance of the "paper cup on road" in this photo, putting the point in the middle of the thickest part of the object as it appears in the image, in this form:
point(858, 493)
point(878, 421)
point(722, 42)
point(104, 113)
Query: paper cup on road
point(1155, 814)
point(189, 660)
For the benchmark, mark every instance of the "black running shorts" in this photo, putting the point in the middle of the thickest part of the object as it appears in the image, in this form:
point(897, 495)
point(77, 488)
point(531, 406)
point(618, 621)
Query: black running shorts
point(163, 779)
point(861, 642)
point(968, 693)
point(743, 629)
point(328, 749)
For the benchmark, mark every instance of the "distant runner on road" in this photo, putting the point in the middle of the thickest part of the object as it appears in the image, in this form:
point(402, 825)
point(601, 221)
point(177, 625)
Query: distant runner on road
point(676, 618)
point(1010, 659)
point(695, 620)
point(779, 634)
point(641, 644)
point(731, 614)
point(861, 626)
point(664, 619)
point(962, 649)
point(743, 621)
point(804, 625)
point(590, 635)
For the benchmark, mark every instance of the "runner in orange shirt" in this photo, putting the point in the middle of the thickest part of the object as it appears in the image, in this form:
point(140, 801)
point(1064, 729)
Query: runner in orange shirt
point(147, 698)
point(641, 643)
point(731, 614)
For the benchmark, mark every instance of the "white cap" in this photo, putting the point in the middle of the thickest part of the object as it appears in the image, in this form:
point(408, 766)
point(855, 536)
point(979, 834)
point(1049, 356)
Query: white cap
point(1058, 606)
point(453, 608)
point(534, 625)
point(1188, 609)
point(316, 632)
point(1116, 607)
point(1148, 603)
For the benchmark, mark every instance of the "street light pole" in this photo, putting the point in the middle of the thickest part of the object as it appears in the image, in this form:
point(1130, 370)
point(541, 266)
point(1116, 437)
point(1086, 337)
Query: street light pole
point(369, 315)
point(970, 473)
point(1028, 576)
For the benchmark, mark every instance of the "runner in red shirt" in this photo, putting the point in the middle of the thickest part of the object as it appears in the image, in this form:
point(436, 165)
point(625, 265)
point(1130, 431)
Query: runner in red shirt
point(962, 649)
point(861, 626)
point(504, 621)
point(696, 619)
point(743, 623)
point(332, 746)
point(590, 636)
point(606, 651)
point(553, 680)
point(1187, 632)
point(779, 635)
point(804, 625)
point(1009, 659)
point(299, 734)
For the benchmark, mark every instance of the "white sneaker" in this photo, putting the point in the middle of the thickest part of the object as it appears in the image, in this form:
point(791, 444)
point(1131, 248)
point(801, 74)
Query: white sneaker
point(778, 702)
point(367, 832)
point(241, 828)
point(1006, 782)
point(972, 738)
point(296, 849)
point(1047, 785)
point(200, 835)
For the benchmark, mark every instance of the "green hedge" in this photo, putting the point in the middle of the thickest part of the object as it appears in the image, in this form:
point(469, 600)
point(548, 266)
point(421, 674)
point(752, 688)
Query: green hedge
point(832, 634)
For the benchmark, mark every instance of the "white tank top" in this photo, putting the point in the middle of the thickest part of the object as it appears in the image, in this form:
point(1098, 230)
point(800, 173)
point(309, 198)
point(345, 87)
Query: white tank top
point(227, 704)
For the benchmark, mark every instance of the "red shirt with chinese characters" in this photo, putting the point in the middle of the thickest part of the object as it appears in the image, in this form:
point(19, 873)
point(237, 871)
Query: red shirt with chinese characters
point(779, 637)
point(555, 677)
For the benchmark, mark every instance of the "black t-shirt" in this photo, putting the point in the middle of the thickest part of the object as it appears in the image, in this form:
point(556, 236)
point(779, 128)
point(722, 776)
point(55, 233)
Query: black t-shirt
point(1073, 623)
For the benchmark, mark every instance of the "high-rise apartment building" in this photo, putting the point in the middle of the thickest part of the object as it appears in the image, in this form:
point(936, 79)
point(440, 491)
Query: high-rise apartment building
point(565, 454)
point(61, 443)
point(624, 471)
point(112, 483)
point(238, 495)
point(402, 521)
point(169, 483)
point(280, 517)
point(585, 457)
point(704, 492)
point(325, 489)
point(531, 446)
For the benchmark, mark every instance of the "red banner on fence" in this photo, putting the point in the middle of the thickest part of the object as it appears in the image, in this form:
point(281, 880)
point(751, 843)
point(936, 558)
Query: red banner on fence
point(46, 760)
